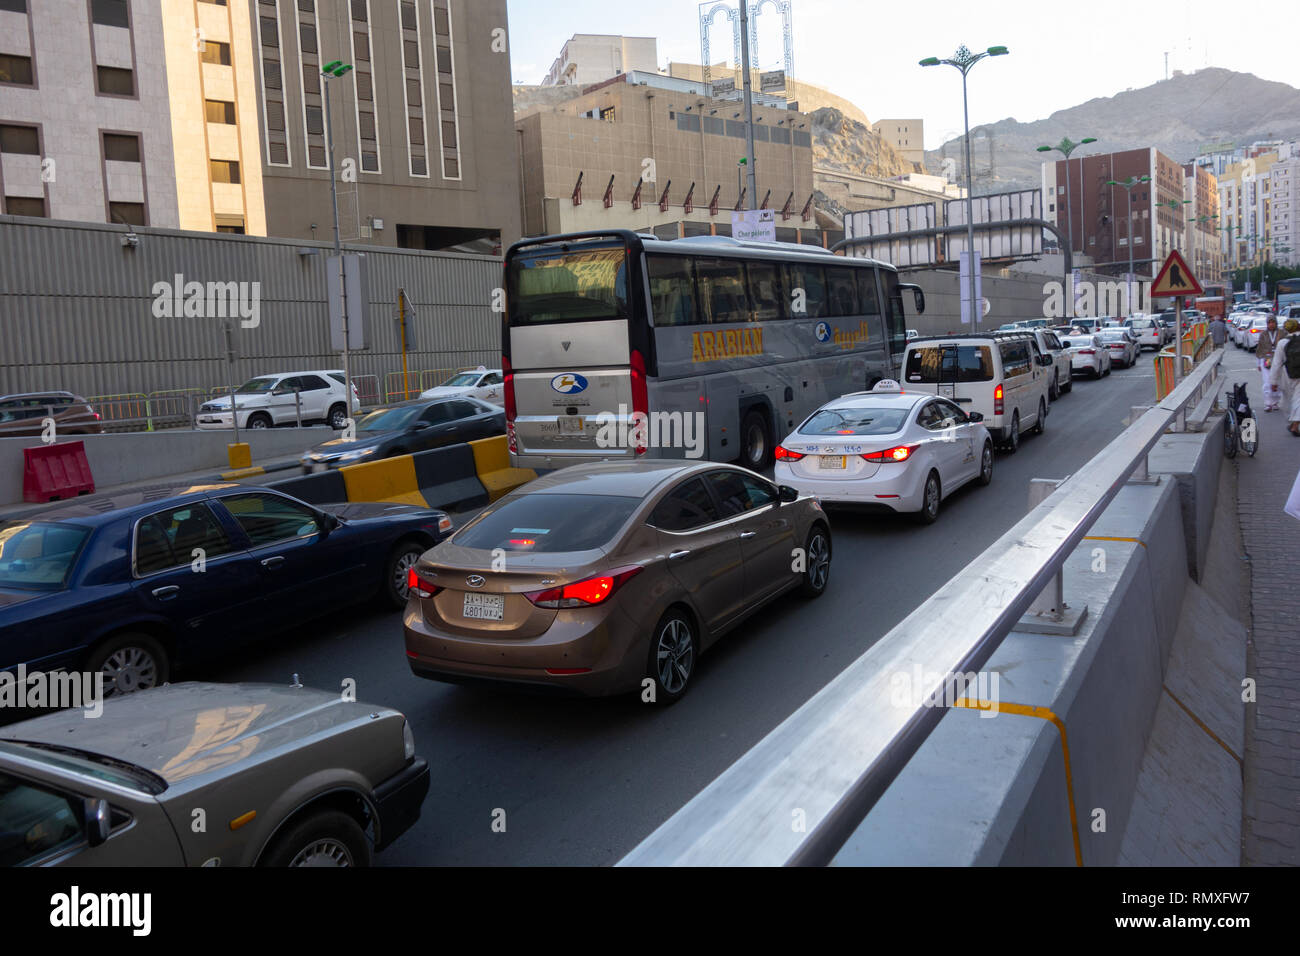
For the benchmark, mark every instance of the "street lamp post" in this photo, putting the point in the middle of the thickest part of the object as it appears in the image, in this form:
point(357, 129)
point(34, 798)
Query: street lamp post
point(1127, 186)
point(1065, 147)
point(333, 70)
point(964, 60)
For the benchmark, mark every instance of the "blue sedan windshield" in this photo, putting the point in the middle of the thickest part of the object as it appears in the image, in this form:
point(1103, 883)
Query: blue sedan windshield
point(38, 555)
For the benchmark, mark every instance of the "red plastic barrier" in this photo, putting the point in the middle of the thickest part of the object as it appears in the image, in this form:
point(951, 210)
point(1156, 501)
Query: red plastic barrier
point(51, 472)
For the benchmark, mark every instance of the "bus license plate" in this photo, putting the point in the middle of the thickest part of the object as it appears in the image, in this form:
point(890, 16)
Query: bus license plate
point(570, 424)
point(485, 607)
point(832, 461)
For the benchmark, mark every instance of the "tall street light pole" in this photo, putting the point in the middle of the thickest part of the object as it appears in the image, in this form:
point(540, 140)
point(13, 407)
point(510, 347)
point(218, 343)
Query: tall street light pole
point(1127, 186)
point(333, 70)
point(749, 103)
point(1065, 147)
point(964, 60)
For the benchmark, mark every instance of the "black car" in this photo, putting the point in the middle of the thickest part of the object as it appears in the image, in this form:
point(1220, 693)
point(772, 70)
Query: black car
point(409, 427)
point(133, 584)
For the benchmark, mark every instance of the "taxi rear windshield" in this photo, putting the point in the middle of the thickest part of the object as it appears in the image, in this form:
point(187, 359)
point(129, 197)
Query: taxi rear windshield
point(863, 420)
point(935, 364)
point(568, 286)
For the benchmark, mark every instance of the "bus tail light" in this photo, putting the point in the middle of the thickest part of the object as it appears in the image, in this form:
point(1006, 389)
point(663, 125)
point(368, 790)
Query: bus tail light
point(509, 389)
point(785, 454)
point(640, 393)
point(898, 453)
point(997, 400)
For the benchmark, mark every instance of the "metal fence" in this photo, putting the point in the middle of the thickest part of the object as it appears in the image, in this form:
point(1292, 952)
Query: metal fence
point(837, 754)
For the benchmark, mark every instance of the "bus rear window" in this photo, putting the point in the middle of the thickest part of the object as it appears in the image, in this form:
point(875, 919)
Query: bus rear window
point(574, 286)
point(933, 364)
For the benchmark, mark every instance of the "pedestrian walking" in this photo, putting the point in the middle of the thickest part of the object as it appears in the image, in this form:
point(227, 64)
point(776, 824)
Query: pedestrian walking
point(1264, 351)
point(1284, 376)
point(1218, 332)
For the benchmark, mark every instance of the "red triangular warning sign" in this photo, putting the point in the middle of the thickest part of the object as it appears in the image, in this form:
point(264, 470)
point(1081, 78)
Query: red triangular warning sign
point(1175, 279)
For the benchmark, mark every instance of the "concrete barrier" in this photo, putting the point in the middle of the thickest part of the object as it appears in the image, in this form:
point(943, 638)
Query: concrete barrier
point(133, 457)
point(456, 477)
point(1063, 773)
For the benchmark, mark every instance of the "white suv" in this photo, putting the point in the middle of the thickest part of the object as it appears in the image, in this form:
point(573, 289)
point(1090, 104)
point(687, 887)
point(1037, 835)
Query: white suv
point(269, 400)
point(1002, 376)
point(1059, 379)
point(483, 383)
point(1150, 333)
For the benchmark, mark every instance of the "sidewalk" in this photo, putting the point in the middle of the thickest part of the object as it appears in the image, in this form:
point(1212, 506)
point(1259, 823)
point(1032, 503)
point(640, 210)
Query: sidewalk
point(1271, 831)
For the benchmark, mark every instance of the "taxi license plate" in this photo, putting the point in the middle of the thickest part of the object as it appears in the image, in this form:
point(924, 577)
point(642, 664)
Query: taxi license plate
point(485, 607)
point(832, 461)
point(570, 424)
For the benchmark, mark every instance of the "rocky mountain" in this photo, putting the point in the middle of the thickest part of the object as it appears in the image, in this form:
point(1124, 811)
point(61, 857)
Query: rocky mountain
point(846, 144)
point(1178, 116)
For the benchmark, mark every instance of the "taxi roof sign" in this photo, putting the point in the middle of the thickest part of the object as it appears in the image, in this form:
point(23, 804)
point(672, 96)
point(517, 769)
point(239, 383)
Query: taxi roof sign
point(1175, 279)
point(887, 385)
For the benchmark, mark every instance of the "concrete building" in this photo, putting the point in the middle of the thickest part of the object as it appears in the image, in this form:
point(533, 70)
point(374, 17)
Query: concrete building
point(85, 122)
point(1284, 188)
point(907, 136)
point(1199, 243)
point(1246, 210)
point(588, 58)
point(1099, 215)
point(649, 152)
point(211, 116)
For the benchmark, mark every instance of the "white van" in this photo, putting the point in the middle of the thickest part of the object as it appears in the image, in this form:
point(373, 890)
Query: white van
point(1000, 376)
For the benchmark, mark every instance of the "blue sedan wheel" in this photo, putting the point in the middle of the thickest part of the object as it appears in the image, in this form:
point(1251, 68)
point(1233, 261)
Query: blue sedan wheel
point(130, 663)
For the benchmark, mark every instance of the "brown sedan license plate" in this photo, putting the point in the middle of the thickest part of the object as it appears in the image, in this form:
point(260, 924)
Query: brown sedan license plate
point(485, 607)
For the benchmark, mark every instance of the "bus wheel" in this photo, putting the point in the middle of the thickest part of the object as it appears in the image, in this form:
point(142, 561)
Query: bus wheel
point(755, 444)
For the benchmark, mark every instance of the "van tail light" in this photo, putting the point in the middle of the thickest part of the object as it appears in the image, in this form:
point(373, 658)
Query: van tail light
point(785, 454)
point(418, 586)
point(585, 593)
point(898, 453)
point(997, 400)
point(640, 393)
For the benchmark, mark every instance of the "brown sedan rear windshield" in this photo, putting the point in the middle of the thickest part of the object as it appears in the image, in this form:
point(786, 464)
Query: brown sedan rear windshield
point(548, 523)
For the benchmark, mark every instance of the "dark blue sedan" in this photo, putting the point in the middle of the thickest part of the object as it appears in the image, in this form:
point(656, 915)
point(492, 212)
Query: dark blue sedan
point(136, 584)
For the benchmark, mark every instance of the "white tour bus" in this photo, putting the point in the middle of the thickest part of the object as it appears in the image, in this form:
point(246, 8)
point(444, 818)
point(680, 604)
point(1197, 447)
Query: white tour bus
point(618, 345)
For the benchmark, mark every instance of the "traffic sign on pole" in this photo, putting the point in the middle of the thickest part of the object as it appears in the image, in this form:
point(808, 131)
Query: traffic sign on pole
point(1175, 279)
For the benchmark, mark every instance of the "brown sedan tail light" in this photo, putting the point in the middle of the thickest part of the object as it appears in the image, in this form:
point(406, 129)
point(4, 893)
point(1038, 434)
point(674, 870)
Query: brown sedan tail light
point(585, 593)
point(419, 586)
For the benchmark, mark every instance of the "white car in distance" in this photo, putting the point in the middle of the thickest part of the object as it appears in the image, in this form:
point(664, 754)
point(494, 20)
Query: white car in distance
point(487, 384)
point(283, 398)
point(1088, 356)
point(888, 450)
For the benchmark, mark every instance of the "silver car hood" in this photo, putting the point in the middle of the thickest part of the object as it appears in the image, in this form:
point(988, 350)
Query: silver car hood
point(182, 730)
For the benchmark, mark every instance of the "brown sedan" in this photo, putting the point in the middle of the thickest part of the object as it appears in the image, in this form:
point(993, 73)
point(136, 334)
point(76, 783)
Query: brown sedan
point(611, 577)
point(24, 415)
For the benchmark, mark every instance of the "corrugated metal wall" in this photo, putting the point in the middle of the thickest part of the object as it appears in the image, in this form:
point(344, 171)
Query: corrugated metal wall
point(76, 309)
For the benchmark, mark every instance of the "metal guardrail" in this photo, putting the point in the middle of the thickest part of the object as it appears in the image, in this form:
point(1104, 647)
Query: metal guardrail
point(837, 754)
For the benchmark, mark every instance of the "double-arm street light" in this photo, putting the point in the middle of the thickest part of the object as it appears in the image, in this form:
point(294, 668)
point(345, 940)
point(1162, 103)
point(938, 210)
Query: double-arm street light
point(964, 60)
point(331, 71)
point(1127, 185)
point(1065, 147)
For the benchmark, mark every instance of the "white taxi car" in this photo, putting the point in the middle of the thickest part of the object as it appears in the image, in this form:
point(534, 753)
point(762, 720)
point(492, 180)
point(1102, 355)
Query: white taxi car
point(888, 449)
point(487, 384)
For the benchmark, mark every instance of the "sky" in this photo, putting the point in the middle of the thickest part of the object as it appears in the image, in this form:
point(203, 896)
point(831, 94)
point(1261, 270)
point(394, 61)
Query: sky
point(868, 52)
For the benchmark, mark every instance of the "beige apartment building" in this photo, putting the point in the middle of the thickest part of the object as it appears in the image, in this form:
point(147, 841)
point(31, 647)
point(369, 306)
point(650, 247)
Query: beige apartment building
point(907, 136)
point(588, 58)
point(1200, 241)
point(210, 115)
point(649, 152)
point(1245, 198)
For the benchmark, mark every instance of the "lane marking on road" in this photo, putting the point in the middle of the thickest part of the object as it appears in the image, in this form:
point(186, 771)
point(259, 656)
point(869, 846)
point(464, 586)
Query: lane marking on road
point(1103, 537)
point(1027, 710)
point(1200, 723)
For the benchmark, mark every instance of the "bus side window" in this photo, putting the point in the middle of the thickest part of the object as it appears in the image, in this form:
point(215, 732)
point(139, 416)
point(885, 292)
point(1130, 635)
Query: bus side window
point(842, 291)
point(896, 319)
point(765, 296)
point(868, 300)
point(722, 290)
point(672, 290)
point(811, 281)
